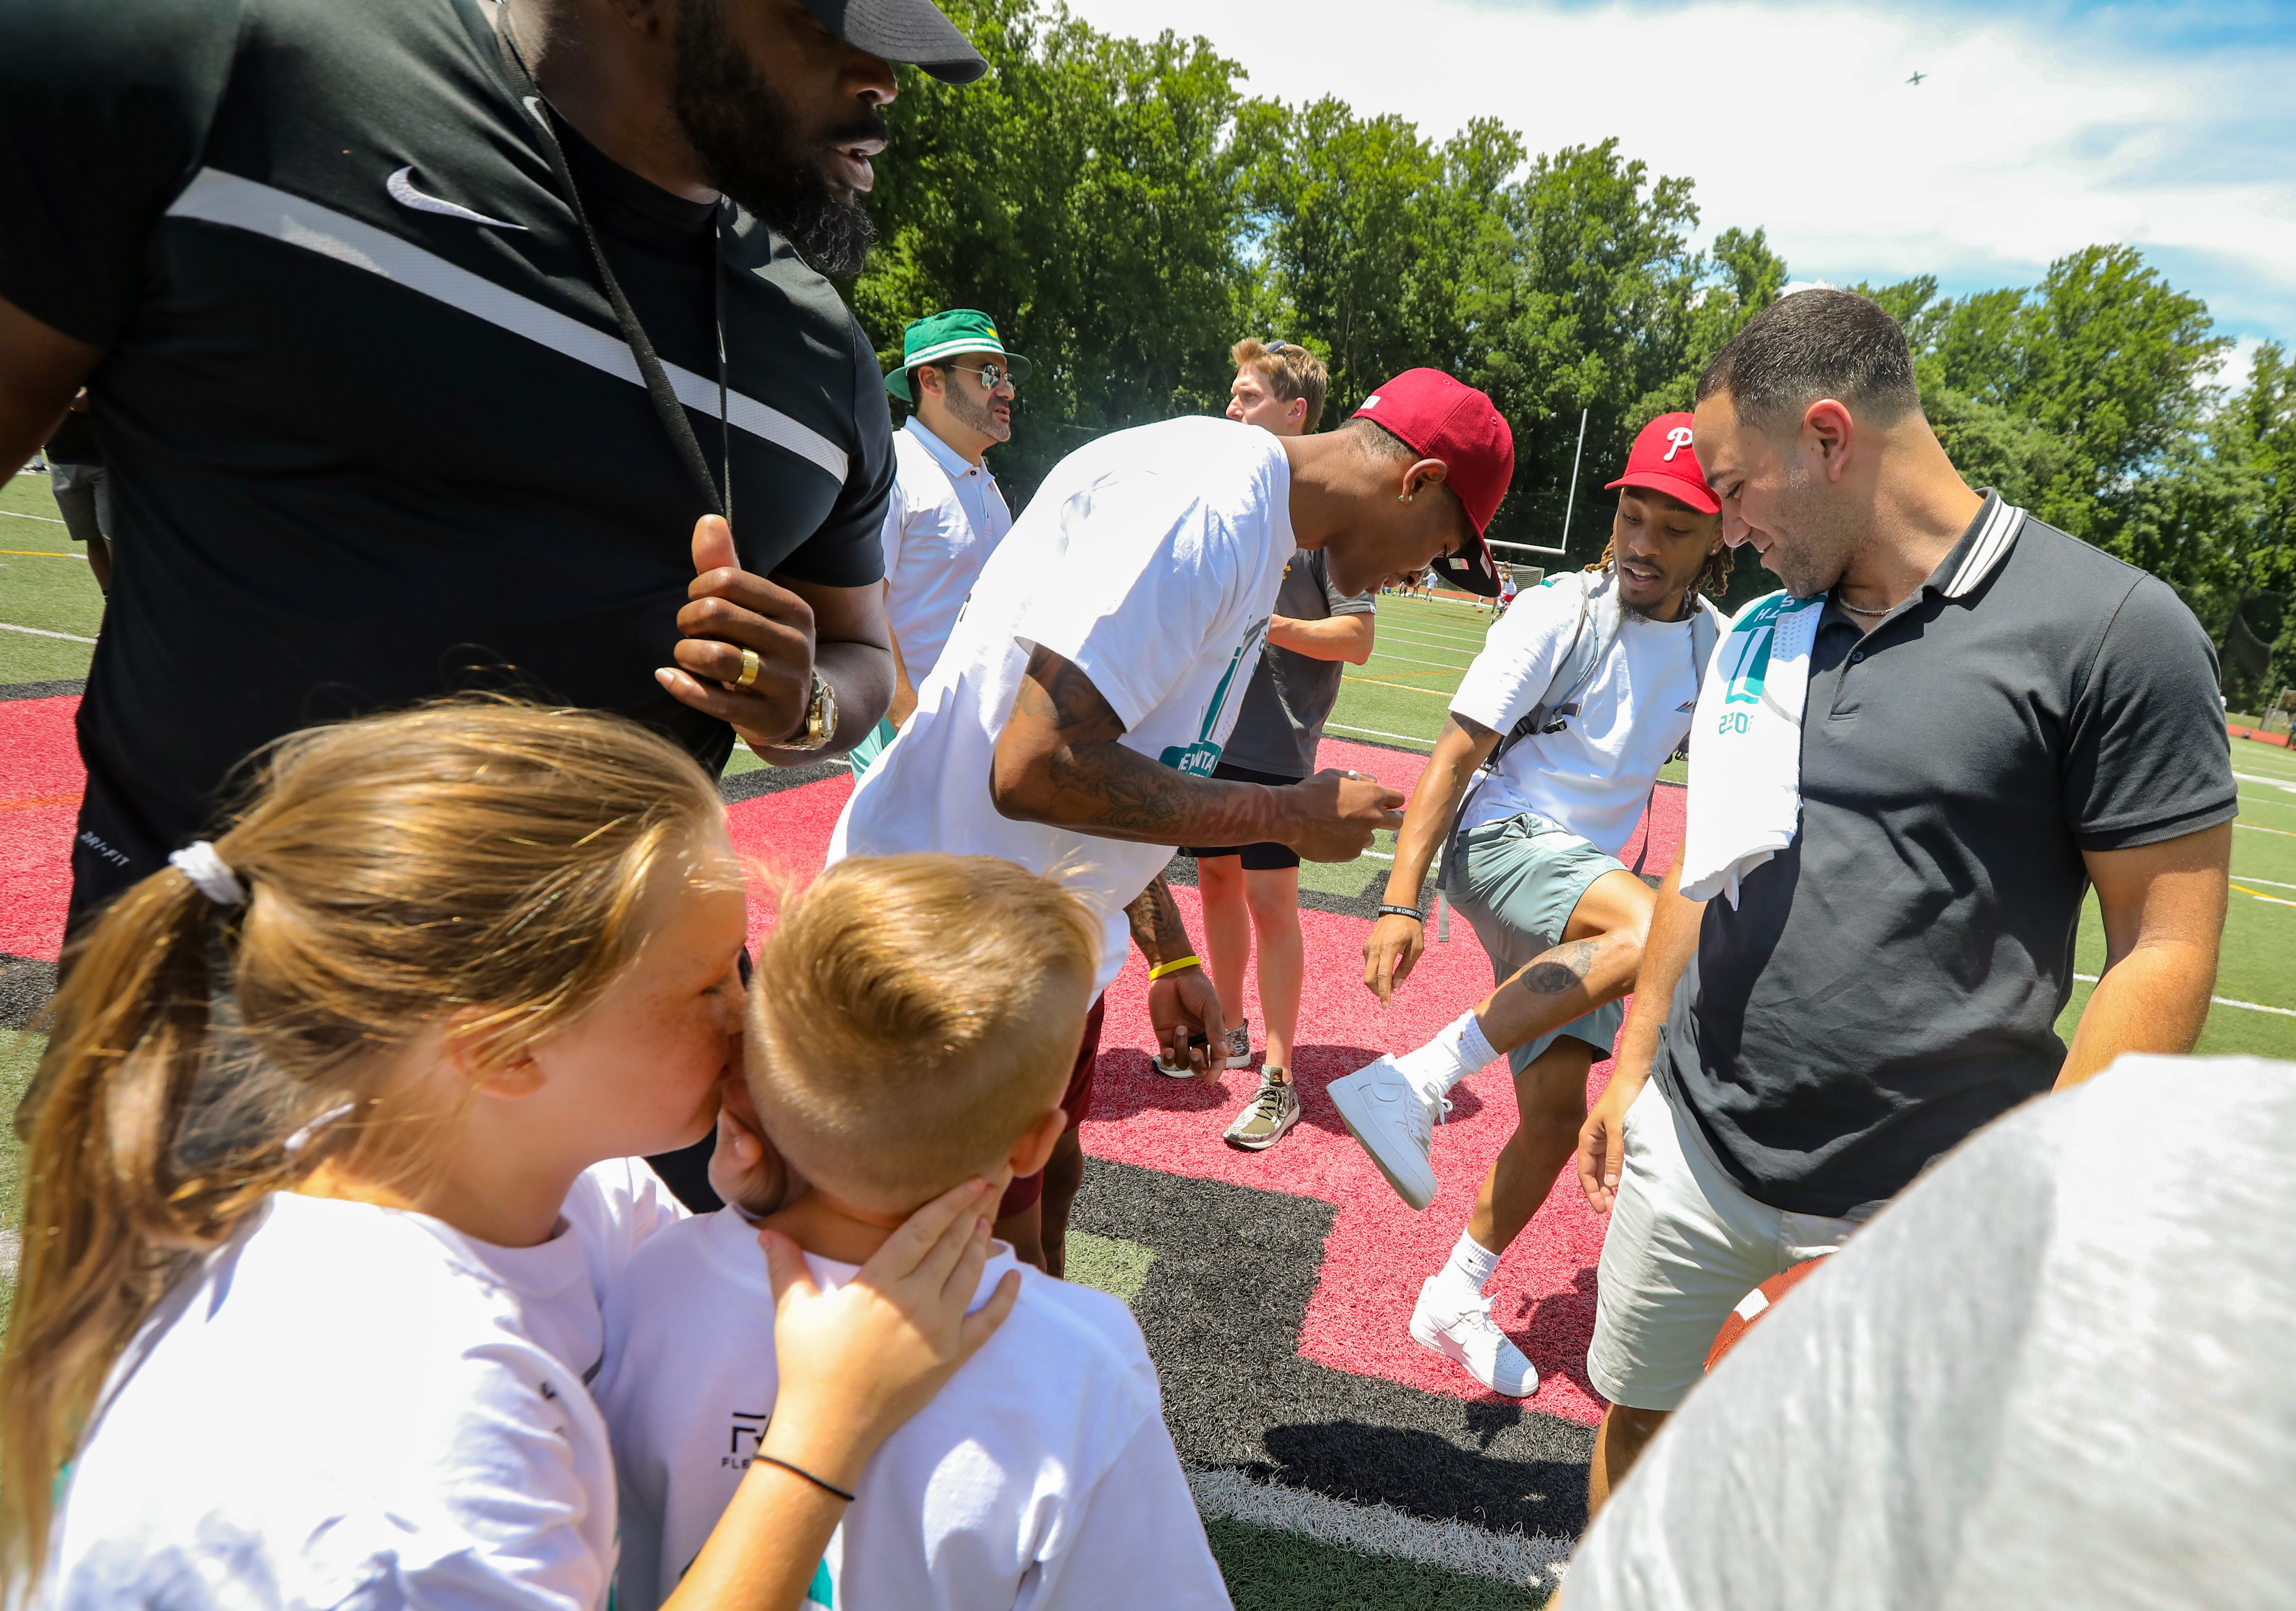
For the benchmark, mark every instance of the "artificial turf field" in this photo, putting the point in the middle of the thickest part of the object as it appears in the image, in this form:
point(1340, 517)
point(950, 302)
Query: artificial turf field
point(1337, 1465)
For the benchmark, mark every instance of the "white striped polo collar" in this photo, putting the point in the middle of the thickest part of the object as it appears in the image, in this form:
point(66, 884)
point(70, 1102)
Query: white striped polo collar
point(1993, 533)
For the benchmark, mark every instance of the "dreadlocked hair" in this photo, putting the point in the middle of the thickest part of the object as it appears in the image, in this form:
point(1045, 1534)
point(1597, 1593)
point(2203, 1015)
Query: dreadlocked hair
point(477, 864)
point(1713, 576)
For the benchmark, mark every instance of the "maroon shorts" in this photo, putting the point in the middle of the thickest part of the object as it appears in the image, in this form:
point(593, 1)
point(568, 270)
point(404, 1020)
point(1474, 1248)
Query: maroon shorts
point(1076, 1101)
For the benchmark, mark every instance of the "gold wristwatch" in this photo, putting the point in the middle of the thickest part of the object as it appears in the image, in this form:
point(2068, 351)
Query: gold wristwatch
point(820, 718)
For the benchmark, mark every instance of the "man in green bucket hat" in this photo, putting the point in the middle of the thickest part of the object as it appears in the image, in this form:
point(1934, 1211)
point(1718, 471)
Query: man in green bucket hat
point(947, 515)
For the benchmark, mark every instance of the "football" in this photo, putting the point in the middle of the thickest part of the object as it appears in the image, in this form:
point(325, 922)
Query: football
point(1754, 1305)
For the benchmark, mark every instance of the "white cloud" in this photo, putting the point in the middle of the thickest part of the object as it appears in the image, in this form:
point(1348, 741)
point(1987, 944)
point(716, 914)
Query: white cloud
point(2028, 139)
point(2238, 363)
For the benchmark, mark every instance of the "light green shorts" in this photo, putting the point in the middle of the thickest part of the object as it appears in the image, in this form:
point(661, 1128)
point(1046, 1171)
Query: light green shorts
point(1517, 881)
point(863, 755)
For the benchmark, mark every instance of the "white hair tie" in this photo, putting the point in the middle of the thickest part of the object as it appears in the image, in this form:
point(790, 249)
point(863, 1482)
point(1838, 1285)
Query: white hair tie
point(208, 873)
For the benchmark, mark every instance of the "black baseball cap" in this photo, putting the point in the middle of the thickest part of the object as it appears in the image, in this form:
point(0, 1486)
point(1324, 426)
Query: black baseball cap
point(903, 30)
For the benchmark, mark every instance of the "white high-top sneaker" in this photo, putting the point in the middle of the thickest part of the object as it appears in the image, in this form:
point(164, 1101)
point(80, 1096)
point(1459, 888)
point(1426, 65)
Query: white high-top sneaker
point(1457, 1324)
point(1394, 1121)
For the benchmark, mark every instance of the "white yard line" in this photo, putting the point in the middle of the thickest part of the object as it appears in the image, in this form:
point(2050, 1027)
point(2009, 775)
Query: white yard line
point(2221, 1001)
point(1509, 1558)
point(41, 632)
point(1424, 643)
point(1388, 654)
point(2250, 777)
point(51, 520)
point(1378, 732)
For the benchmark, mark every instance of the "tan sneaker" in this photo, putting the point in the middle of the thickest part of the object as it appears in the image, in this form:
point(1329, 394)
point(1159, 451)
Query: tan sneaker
point(1272, 1109)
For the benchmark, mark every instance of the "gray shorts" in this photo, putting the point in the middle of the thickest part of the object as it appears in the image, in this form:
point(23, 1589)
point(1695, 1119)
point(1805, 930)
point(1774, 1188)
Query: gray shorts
point(1517, 881)
point(82, 498)
point(1685, 1246)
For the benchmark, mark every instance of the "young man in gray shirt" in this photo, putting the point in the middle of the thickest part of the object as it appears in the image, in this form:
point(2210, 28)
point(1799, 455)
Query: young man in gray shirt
point(1255, 888)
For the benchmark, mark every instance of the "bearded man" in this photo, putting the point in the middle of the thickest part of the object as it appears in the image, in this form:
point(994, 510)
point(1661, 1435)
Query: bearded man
point(947, 515)
point(423, 333)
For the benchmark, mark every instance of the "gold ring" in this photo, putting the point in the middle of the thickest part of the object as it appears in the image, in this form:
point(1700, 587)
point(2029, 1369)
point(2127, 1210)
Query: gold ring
point(750, 665)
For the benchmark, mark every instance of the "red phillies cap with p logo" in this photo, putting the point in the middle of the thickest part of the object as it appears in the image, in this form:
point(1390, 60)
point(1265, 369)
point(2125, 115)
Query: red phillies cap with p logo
point(1662, 462)
point(1439, 417)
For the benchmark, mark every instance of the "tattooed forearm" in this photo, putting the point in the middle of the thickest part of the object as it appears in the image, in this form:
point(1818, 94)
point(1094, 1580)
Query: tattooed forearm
point(1059, 761)
point(1559, 968)
point(1156, 925)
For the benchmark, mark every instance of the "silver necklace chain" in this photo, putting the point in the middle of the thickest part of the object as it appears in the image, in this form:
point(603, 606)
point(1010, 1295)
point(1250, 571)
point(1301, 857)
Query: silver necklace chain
point(1860, 609)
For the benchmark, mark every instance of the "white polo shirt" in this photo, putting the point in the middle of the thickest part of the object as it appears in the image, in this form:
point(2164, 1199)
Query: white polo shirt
point(945, 518)
point(1150, 560)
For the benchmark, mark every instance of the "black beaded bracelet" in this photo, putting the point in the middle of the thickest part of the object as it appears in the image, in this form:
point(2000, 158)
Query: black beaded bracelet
point(1403, 911)
point(809, 1477)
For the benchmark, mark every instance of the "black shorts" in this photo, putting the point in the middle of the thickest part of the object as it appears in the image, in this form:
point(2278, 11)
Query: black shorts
point(1267, 856)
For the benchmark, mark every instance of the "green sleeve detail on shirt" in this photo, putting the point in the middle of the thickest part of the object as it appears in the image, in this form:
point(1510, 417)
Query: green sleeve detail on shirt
point(822, 1592)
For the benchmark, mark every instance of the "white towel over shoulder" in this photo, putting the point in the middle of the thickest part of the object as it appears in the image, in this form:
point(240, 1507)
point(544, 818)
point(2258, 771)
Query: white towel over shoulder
point(1745, 745)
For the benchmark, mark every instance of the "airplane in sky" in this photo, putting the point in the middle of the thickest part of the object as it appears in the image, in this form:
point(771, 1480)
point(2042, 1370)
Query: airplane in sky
point(1917, 78)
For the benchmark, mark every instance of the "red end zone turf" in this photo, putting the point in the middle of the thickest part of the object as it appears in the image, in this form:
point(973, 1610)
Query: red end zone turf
point(1378, 1251)
point(40, 783)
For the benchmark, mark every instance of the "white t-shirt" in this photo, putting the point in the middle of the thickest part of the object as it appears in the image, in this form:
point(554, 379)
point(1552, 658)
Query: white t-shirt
point(2052, 1375)
point(1041, 1474)
point(1150, 558)
point(945, 518)
point(353, 1405)
point(1592, 778)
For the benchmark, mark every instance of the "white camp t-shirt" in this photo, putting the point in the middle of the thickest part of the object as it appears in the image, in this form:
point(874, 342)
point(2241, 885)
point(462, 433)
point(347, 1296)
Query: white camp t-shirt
point(1041, 1476)
point(1592, 778)
point(354, 1405)
point(1150, 558)
point(944, 520)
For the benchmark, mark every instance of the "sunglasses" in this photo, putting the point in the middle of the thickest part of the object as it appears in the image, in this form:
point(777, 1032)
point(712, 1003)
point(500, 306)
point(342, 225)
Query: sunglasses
point(992, 375)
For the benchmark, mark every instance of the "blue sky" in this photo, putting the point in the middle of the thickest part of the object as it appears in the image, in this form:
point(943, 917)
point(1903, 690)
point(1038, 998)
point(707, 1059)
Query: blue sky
point(2040, 128)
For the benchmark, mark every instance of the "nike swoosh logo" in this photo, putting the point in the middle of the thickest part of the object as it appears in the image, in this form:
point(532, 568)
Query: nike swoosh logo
point(403, 192)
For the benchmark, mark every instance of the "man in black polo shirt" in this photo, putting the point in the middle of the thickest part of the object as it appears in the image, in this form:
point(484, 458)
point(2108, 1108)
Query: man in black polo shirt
point(382, 423)
point(1997, 717)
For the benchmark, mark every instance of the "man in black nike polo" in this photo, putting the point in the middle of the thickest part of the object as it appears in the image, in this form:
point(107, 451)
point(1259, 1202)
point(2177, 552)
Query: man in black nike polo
point(423, 333)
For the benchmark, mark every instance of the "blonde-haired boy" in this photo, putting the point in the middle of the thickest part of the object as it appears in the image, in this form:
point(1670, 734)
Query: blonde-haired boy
point(911, 1024)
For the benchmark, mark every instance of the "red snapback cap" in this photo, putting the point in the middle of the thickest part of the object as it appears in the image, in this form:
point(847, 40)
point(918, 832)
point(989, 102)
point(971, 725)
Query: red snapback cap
point(1662, 462)
point(1439, 417)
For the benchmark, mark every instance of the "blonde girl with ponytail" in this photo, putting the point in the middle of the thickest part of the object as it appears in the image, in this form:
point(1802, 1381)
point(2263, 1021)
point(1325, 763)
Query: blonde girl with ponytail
point(336, 1148)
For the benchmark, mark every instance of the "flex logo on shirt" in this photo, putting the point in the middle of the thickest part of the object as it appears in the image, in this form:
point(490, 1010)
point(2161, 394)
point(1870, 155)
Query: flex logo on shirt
point(1198, 759)
point(747, 1428)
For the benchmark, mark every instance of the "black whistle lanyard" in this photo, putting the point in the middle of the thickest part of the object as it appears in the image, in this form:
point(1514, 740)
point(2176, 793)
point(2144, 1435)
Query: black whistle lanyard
point(667, 407)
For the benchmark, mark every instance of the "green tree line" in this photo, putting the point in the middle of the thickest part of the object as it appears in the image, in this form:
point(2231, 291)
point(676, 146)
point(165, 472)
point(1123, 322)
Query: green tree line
point(1126, 210)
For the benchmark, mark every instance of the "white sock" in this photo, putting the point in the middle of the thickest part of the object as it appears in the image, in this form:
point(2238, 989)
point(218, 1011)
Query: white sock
point(1471, 1264)
point(1449, 1057)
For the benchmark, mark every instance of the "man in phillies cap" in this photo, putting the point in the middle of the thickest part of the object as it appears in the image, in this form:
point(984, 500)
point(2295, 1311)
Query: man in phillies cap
point(1074, 718)
point(1582, 691)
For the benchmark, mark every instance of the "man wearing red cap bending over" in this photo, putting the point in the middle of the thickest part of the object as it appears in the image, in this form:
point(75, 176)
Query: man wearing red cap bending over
point(1582, 691)
point(1073, 721)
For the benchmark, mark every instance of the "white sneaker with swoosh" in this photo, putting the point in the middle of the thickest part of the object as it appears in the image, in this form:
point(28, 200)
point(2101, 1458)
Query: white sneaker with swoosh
point(401, 189)
point(1460, 1328)
point(1394, 1121)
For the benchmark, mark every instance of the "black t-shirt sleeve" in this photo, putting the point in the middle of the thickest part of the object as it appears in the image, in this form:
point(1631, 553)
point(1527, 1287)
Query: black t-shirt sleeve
point(2149, 759)
point(848, 549)
point(103, 111)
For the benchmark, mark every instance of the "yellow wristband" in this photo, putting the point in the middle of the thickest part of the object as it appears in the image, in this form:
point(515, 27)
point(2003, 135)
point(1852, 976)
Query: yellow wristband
point(1174, 966)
